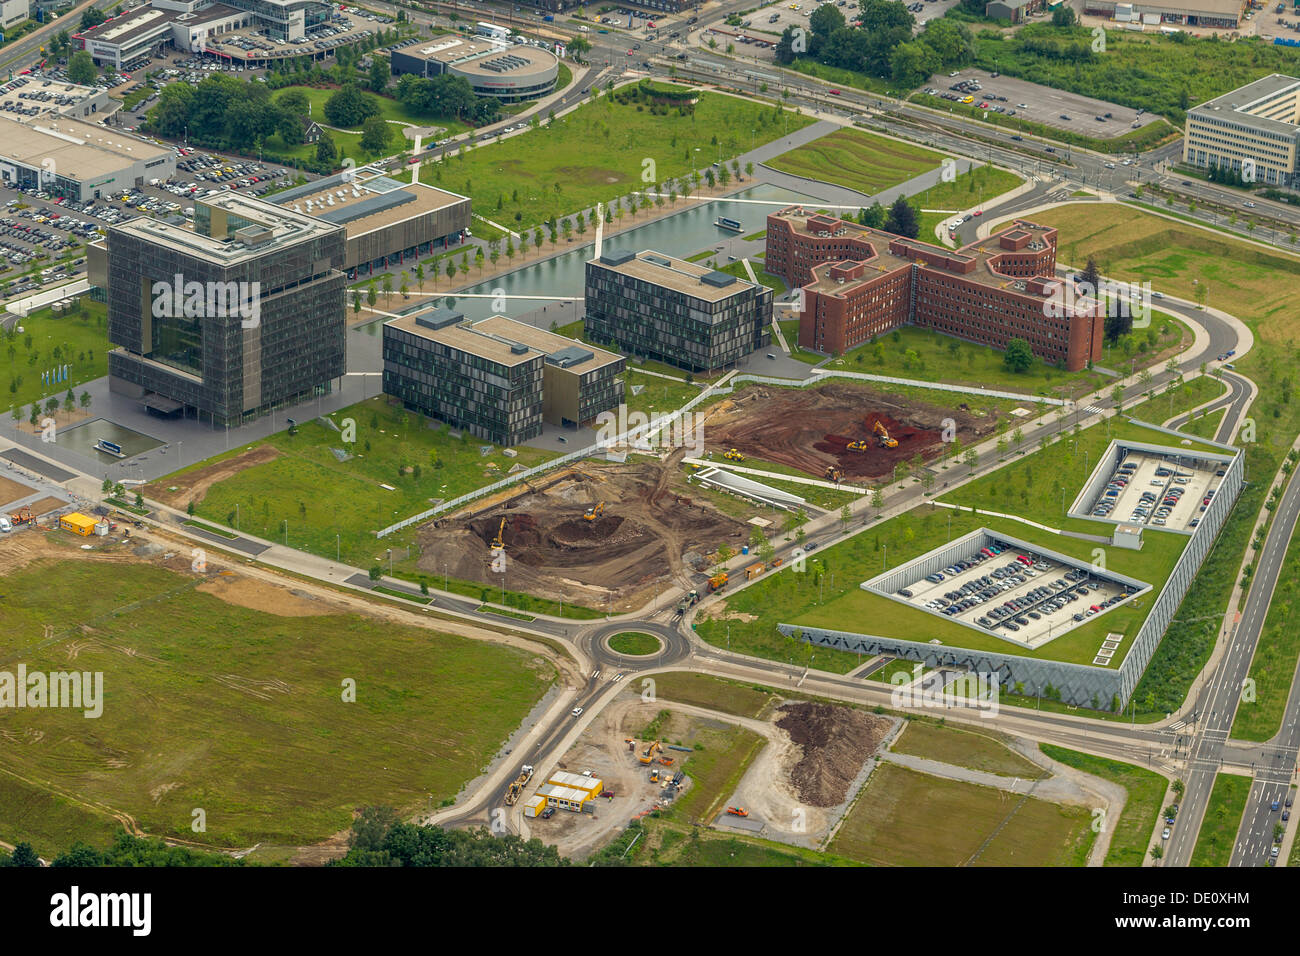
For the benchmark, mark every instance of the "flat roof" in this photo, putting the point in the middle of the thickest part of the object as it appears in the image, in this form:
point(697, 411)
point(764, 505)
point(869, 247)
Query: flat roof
point(367, 205)
point(46, 95)
point(77, 148)
point(892, 252)
point(673, 273)
point(550, 343)
point(131, 25)
point(1241, 101)
point(550, 790)
point(1221, 8)
point(460, 336)
point(285, 228)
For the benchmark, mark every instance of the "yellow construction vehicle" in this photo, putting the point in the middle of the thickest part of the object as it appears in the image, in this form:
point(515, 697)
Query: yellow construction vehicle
point(499, 543)
point(718, 581)
point(833, 473)
point(594, 513)
point(885, 440)
point(733, 455)
point(859, 445)
point(648, 756)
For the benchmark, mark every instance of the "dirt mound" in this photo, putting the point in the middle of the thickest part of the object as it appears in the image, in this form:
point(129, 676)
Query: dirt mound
point(811, 428)
point(836, 742)
point(553, 551)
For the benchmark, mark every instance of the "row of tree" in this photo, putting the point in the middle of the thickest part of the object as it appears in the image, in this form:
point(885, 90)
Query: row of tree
point(880, 44)
point(378, 839)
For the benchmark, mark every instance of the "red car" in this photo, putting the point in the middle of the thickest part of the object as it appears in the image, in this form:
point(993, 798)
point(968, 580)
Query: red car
point(834, 92)
point(413, 160)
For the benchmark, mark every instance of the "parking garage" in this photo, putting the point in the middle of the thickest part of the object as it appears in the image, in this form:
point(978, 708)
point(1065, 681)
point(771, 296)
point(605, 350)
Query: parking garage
point(1008, 588)
point(1148, 486)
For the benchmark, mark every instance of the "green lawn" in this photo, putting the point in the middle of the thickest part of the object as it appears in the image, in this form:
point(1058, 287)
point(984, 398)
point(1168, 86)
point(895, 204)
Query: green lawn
point(389, 108)
point(595, 154)
point(1205, 425)
point(813, 599)
point(320, 497)
point(1146, 792)
point(1274, 663)
point(240, 712)
point(987, 752)
point(775, 283)
point(715, 769)
point(79, 340)
point(889, 673)
point(636, 643)
point(657, 395)
point(715, 693)
point(857, 160)
point(968, 189)
point(1222, 820)
point(943, 358)
point(904, 818)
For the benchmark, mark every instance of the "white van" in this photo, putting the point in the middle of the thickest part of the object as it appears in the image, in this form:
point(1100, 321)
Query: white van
point(5, 524)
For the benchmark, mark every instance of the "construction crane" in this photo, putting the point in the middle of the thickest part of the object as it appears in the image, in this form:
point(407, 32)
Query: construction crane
point(733, 455)
point(594, 513)
point(885, 440)
point(499, 542)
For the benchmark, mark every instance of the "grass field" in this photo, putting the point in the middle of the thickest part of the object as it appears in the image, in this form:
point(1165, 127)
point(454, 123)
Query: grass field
point(81, 341)
point(857, 160)
point(657, 395)
point(1251, 282)
point(965, 748)
point(715, 693)
point(1222, 819)
point(1205, 425)
point(1197, 264)
point(635, 643)
point(968, 190)
point(241, 712)
point(1274, 663)
point(1146, 791)
point(813, 599)
point(595, 153)
point(722, 756)
point(889, 673)
point(665, 843)
point(904, 818)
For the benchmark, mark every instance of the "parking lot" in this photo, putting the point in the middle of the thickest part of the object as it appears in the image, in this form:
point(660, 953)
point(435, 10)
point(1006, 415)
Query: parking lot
point(1165, 492)
point(1037, 104)
point(1013, 593)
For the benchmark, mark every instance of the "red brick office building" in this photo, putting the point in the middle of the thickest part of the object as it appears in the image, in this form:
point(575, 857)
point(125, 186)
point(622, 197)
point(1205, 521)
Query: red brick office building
point(860, 282)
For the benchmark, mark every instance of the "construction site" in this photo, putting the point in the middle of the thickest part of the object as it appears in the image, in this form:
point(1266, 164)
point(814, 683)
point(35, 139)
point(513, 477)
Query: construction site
point(599, 534)
point(847, 428)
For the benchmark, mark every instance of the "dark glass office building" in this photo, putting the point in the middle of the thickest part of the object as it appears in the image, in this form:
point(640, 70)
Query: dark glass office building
point(241, 313)
point(673, 311)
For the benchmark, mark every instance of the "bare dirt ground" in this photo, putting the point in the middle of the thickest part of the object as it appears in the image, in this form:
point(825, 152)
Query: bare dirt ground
point(42, 506)
point(193, 485)
point(620, 558)
point(262, 596)
point(11, 490)
point(811, 428)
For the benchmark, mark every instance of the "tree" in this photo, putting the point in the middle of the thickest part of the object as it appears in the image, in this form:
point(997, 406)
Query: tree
point(326, 151)
point(81, 68)
point(379, 75)
point(350, 107)
point(1063, 16)
point(24, 855)
point(902, 219)
point(1018, 357)
point(374, 135)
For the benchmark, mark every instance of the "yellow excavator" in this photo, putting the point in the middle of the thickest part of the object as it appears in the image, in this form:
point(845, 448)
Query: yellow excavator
point(499, 543)
point(594, 513)
point(885, 440)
